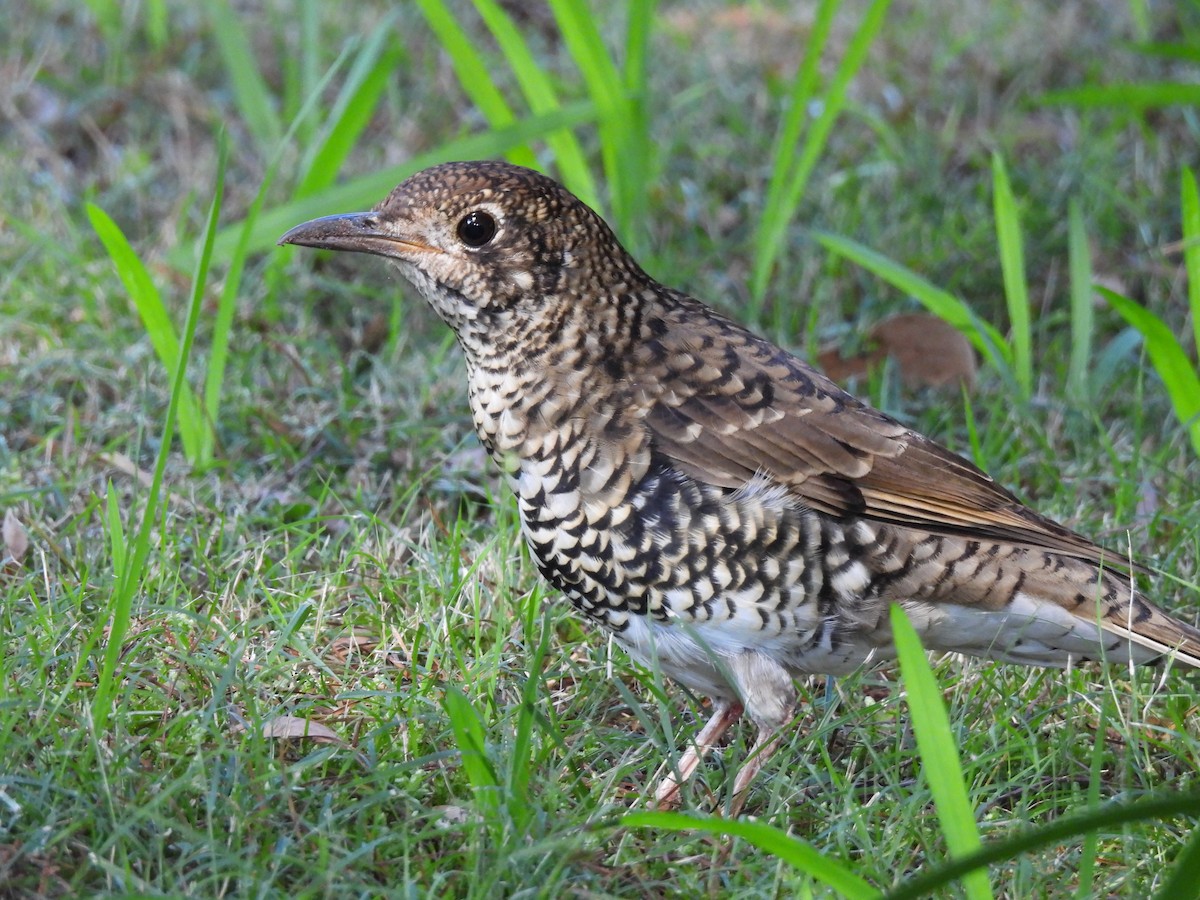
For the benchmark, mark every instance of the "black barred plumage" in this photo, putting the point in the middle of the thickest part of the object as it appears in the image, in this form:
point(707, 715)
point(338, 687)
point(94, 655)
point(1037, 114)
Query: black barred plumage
point(726, 511)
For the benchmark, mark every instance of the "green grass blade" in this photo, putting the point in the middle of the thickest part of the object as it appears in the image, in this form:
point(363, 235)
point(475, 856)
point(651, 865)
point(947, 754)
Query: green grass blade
point(114, 26)
point(117, 541)
point(138, 284)
point(939, 751)
point(639, 159)
point(250, 90)
point(1183, 52)
point(586, 46)
point(1184, 878)
point(774, 217)
point(1128, 97)
point(1139, 14)
point(1110, 818)
point(153, 313)
point(218, 356)
point(107, 13)
point(607, 90)
point(540, 95)
point(974, 439)
point(1012, 265)
point(470, 737)
point(1190, 213)
point(361, 91)
point(1082, 315)
point(367, 190)
point(206, 417)
point(798, 854)
point(344, 121)
point(522, 762)
point(804, 85)
point(982, 335)
point(310, 64)
point(136, 553)
point(157, 24)
point(1169, 360)
point(474, 73)
point(772, 232)
point(1091, 840)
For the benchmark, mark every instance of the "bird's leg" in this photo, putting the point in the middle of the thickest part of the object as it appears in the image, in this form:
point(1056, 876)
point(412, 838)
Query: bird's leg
point(769, 693)
point(765, 744)
point(725, 713)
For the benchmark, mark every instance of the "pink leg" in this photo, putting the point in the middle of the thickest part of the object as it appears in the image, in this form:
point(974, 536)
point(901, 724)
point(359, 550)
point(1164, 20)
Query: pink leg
point(725, 713)
point(764, 745)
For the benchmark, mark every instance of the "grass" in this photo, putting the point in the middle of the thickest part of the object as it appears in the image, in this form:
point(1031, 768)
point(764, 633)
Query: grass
point(319, 539)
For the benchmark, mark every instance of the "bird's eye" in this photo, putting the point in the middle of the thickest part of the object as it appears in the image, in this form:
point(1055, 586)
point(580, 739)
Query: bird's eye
point(476, 228)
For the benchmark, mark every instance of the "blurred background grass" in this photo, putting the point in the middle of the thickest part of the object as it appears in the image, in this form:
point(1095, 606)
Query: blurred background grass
point(330, 546)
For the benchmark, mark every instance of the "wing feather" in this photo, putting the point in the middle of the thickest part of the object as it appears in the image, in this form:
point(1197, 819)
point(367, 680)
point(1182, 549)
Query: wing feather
point(762, 411)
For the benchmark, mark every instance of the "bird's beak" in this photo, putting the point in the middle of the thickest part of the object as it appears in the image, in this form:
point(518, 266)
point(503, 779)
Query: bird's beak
point(356, 232)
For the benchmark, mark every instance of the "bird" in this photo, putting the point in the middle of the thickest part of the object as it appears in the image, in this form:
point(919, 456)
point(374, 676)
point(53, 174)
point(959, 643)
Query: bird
point(720, 507)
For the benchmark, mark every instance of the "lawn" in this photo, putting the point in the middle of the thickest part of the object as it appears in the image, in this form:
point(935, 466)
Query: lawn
point(270, 627)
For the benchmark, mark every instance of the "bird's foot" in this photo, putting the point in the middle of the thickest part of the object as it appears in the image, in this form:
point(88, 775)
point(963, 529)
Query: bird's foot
point(725, 713)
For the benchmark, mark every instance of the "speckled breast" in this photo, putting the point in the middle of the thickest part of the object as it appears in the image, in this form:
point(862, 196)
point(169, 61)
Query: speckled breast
point(681, 552)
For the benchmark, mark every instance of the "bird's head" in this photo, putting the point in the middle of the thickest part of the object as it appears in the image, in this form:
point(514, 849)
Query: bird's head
point(483, 238)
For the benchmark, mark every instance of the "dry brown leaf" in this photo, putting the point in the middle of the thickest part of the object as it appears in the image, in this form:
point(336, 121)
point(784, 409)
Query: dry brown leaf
point(16, 540)
point(452, 816)
point(375, 333)
point(1147, 504)
point(127, 466)
point(350, 647)
point(295, 727)
point(123, 463)
point(1113, 282)
point(928, 351)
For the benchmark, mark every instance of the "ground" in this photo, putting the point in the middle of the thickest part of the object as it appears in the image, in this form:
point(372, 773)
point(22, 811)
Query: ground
point(330, 546)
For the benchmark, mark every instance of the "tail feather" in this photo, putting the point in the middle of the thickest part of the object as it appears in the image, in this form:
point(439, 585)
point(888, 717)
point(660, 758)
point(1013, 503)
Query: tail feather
point(1175, 642)
point(1041, 608)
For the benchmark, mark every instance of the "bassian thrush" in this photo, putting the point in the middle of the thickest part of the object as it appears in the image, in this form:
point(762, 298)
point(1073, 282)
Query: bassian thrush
point(726, 511)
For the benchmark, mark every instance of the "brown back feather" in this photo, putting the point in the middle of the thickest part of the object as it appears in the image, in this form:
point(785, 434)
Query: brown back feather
point(766, 412)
